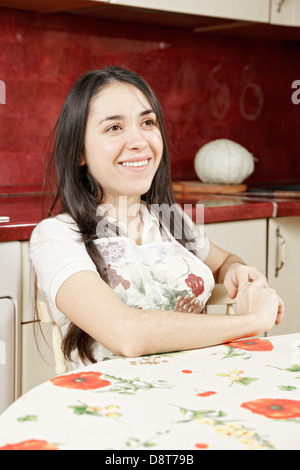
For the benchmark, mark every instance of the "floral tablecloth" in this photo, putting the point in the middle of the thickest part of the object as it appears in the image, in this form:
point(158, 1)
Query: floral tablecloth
point(240, 395)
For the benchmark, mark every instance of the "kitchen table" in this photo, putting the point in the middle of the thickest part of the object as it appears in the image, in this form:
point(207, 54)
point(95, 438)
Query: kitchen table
point(240, 395)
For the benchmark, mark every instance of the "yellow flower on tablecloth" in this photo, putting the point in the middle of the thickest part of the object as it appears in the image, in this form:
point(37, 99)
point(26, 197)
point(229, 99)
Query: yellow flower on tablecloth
point(206, 421)
point(224, 430)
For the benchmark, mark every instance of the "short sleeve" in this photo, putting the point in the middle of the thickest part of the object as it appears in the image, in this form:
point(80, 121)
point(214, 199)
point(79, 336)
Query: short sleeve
point(57, 253)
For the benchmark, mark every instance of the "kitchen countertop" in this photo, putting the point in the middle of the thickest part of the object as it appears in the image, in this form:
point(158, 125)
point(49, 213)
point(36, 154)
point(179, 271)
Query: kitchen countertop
point(26, 210)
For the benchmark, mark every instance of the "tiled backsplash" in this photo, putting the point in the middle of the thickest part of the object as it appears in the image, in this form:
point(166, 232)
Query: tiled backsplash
point(210, 86)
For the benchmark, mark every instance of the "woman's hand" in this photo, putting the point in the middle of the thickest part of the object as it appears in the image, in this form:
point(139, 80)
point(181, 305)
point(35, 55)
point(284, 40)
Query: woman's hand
point(189, 304)
point(239, 275)
point(261, 301)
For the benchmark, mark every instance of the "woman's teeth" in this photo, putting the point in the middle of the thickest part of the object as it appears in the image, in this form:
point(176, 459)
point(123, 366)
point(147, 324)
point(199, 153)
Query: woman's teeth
point(142, 163)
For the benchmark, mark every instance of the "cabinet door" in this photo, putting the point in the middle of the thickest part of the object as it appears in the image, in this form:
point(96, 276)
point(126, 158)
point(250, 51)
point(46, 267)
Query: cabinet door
point(245, 238)
point(249, 10)
point(285, 12)
point(283, 270)
point(7, 353)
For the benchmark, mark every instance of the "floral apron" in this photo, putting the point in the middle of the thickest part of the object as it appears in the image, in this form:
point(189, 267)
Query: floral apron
point(154, 275)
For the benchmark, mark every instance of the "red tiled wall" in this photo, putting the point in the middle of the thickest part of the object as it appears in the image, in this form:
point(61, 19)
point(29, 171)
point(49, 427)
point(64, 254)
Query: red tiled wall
point(209, 86)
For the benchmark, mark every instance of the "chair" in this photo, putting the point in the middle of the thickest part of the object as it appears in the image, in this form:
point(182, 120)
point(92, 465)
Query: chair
point(45, 316)
point(220, 296)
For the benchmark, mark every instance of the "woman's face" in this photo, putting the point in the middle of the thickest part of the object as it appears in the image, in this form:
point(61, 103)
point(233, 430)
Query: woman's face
point(123, 143)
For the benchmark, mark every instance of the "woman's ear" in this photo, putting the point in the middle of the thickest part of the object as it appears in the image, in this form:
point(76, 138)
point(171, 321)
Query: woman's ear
point(82, 160)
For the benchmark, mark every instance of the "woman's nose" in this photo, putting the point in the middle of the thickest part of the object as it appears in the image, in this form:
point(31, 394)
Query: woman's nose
point(136, 139)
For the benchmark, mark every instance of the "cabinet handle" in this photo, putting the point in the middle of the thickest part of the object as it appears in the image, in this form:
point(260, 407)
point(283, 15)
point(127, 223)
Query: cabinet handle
point(280, 252)
point(280, 3)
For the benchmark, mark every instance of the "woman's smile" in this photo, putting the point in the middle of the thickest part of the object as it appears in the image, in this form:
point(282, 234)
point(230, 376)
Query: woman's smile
point(137, 165)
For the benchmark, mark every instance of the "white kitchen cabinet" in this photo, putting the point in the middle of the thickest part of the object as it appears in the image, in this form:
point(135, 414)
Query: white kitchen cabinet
point(10, 318)
point(273, 246)
point(248, 10)
point(7, 353)
point(285, 12)
point(283, 270)
point(245, 238)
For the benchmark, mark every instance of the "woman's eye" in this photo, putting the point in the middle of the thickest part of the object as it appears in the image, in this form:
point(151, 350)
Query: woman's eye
point(114, 128)
point(148, 123)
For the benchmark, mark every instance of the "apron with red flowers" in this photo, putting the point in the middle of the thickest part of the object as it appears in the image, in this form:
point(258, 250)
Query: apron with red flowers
point(154, 275)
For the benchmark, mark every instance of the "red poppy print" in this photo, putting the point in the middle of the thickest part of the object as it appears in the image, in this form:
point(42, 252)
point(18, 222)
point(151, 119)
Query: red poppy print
point(196, 283)
point(201, 445)
point(81, 381)
point(115, 279)
point(206, 394)
point(31, 444)
point(254, 344)
point(274, 408)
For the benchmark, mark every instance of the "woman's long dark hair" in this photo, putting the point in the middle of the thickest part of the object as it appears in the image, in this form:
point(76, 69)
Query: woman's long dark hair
point(78, 192)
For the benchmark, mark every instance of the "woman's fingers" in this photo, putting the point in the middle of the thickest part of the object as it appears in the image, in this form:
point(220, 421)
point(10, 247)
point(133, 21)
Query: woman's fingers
point(259, 283)
point(188, 304)
point(239, 275)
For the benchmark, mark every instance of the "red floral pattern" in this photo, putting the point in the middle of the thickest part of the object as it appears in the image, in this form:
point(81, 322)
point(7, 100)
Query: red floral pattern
point(254, 344)
point(274, 408)
point(115, 279)
point(31, 444)
point(81, 381)
point(196, 283)
point(201, 445)
point(206, 394)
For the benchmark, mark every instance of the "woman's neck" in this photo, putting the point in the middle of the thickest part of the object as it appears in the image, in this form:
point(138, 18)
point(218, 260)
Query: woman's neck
point(126, 210)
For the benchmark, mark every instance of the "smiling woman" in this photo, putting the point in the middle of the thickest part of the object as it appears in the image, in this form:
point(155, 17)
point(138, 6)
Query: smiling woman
point(119, 279)
point(122, 151)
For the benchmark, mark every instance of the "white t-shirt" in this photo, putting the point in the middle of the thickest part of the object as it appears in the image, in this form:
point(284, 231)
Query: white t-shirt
point(151, 275)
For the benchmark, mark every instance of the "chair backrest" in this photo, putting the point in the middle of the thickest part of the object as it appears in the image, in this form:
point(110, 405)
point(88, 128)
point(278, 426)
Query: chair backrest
point(220, 296)
point(45, 316)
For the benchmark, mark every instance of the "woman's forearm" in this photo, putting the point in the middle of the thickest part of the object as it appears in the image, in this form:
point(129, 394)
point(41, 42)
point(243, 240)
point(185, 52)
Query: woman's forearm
point(155, 331)
point(91, 304)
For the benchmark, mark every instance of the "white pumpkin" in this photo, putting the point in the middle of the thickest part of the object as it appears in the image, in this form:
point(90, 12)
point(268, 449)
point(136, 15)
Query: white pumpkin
point(223, 161)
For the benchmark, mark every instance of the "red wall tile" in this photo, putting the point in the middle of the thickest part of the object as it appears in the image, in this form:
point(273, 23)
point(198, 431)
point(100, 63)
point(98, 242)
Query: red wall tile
point(209, 86)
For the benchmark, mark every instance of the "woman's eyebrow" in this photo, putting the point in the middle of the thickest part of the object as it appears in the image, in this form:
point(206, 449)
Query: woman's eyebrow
point(147, 111)
point(117, 117)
